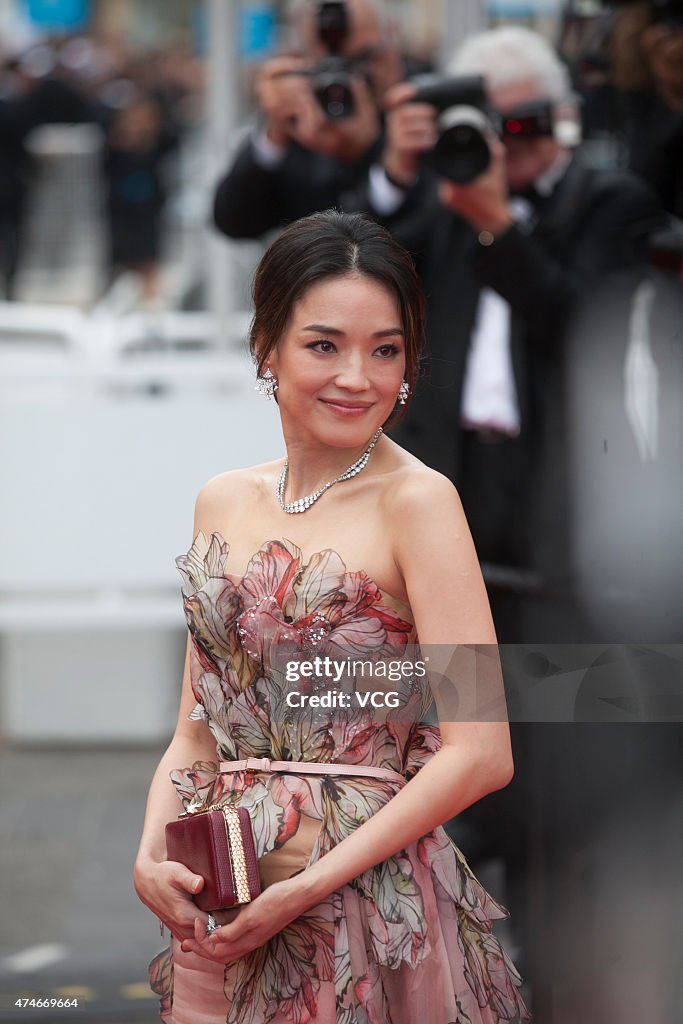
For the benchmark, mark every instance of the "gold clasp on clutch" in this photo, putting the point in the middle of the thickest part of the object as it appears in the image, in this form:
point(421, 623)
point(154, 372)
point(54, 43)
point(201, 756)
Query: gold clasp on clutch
point(195, 806)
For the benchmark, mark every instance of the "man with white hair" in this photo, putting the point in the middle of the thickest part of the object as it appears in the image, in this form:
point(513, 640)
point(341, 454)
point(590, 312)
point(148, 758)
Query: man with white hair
point(302, 158)
point(506, 259)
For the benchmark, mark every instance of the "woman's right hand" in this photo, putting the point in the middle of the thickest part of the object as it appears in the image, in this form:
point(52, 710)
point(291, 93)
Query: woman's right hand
point(168, 889)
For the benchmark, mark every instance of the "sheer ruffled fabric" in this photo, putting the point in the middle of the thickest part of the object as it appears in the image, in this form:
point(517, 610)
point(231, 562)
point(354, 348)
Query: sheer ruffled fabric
point(409, 940)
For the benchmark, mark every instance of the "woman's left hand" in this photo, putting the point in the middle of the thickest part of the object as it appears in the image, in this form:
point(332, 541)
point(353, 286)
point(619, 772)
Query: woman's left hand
point(249, 926)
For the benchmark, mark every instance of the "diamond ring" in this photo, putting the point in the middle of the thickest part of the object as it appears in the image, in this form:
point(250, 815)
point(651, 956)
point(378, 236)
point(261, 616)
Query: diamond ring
point(211, 925)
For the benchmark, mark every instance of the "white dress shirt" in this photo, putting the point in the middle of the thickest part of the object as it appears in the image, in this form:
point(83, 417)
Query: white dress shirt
point(489, 394)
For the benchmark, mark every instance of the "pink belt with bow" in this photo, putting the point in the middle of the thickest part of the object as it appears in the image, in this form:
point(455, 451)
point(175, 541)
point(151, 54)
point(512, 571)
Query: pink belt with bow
point(264, 764)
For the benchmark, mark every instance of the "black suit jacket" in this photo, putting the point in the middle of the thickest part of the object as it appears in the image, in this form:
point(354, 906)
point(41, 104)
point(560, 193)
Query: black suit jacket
point(595, 222)
point(252, 200)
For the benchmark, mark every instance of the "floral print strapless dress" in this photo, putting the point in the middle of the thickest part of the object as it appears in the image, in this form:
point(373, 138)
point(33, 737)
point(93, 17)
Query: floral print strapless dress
point(408, 942)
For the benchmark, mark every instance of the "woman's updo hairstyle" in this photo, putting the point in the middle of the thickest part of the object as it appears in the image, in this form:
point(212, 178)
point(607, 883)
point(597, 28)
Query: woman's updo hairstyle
point(332, 244)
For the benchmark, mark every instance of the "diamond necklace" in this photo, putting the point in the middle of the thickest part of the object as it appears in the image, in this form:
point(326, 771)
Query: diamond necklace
point(304, 503)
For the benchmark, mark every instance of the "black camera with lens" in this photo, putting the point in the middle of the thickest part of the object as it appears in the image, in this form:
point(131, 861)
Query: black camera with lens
point(331, 78)
point(466, 120)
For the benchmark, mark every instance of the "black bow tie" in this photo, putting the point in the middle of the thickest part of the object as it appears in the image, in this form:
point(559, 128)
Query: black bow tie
point(531, 194)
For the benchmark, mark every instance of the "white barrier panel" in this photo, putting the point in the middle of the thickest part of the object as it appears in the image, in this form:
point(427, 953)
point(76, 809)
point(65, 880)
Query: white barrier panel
point(100, 461)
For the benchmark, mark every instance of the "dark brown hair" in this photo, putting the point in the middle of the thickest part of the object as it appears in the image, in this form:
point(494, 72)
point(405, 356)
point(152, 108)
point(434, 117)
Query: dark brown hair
point(332, 244)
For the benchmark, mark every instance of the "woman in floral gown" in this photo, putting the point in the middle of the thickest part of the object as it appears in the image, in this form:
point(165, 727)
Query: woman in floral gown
point(350, 548)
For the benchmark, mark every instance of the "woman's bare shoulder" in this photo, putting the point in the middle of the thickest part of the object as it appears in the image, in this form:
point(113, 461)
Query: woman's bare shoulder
point(435, 555)
point(234, 487)
point(412, 488)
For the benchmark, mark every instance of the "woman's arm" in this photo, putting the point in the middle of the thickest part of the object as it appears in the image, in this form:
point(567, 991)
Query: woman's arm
point(436, 556)
point(166, 887)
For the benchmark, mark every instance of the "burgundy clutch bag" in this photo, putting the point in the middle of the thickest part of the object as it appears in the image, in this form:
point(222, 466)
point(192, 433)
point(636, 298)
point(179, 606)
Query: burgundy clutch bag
point(218, 844)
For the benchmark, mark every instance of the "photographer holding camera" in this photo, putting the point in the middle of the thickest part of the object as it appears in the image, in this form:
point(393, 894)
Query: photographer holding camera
point(482, 180)
point(321, 125)
point(511, 232)
point(628, 69)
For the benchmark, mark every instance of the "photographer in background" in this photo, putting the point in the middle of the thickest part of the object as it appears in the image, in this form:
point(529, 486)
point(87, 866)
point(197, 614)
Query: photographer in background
point(629, 73)
point(321, 124)
point(34, 90)
point(630, 76)
point(507, 251)
point(513, 235)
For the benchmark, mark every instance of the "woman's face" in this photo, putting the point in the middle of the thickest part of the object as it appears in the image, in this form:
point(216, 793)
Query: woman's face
point(340, 362)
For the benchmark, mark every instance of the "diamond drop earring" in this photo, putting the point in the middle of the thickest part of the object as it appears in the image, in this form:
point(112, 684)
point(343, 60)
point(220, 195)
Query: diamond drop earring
point(403, 392)
point(266, 384)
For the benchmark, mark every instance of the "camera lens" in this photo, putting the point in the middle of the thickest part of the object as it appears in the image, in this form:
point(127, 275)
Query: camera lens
point(333, 92)
point(336, 100)
point(462, 152)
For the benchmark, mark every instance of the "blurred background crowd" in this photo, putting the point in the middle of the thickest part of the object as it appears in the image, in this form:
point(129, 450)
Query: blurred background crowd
point(93, 123)
point(529, 154)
